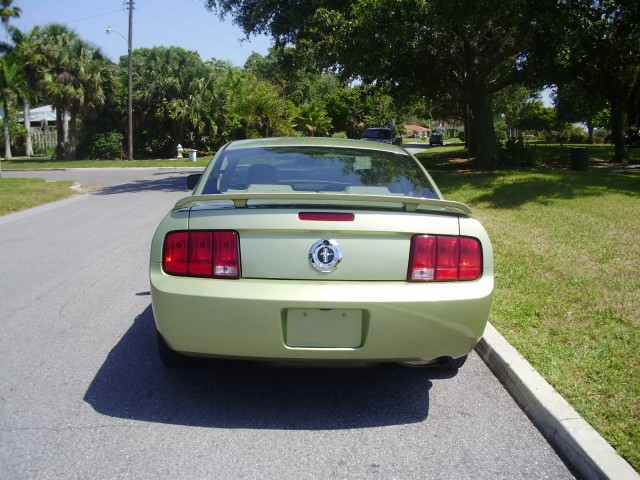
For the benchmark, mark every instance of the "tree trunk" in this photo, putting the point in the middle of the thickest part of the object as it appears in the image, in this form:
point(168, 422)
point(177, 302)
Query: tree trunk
point(590, 129)
point(483, 139)
point(59, 152)
point(28, 145)
point(73, 136)
point(62, 128)
point(65, 131)
point(468, 134)
point(617, 126)
point(7, 137)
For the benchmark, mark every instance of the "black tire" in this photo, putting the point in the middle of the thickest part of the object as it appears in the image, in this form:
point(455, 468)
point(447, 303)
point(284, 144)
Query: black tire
point(172, 358)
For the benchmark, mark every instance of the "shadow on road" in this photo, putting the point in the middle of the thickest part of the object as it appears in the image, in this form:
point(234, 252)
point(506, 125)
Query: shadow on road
point(132, 383)
point(164, 182)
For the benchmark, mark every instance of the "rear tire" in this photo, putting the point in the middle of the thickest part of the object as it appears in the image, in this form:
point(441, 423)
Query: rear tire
point(454, 363)
point(172, 358)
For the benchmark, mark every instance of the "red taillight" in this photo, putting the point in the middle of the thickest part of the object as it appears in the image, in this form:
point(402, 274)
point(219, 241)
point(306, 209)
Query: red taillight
point(225, 255)
point(470, 258)
point(442, 258)
point(202, 253)
point(174, 257)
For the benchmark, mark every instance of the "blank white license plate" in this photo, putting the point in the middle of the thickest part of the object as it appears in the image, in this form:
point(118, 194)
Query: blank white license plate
point(323, 328)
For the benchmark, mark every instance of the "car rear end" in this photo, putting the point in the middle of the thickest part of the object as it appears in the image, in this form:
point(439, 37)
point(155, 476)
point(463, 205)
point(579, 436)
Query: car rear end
point(316, 274)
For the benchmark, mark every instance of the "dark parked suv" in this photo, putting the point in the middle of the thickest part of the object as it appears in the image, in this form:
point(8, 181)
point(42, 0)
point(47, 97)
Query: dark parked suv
point(436, 139)
point(382, 135)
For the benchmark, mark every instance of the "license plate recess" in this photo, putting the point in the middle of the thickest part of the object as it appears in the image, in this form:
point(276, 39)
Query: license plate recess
point(315, 328)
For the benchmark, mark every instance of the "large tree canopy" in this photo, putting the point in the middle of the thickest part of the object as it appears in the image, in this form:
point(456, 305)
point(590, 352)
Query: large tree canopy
point(466, 50)
point(175, 99)
point(599, 50)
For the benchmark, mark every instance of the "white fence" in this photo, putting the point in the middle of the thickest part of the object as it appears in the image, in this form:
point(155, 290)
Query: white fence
point(42, 141)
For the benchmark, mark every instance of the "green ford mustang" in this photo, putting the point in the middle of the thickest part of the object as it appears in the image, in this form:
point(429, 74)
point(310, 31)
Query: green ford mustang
point(319, 251)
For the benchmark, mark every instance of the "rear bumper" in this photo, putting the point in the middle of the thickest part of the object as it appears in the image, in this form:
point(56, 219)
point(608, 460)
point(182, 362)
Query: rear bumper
point(254, 319)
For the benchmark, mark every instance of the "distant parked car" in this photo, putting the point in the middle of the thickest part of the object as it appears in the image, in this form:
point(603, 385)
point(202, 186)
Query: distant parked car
point(436, 139)
point(318, 250)
point(382, 135)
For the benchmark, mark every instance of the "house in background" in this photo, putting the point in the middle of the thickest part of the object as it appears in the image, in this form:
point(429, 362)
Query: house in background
point(416, 131)
point(450, 128)
point(42, 117)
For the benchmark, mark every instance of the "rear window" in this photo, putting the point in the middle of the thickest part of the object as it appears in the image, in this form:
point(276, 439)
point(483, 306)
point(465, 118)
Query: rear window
point(314, 169)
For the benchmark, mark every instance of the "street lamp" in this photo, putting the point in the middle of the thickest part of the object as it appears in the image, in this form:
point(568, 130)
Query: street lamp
point(130, 81)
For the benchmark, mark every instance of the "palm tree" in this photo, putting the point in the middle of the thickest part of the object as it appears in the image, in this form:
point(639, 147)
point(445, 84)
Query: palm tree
point(255, 107)
point(72, 74)
point(29, 53)
point(263, 110)
point(312, 120)
point(94, 81)
point(8, 74)
point(57, 82)
point(12, 86)
point(7, 12)
point(177, 97)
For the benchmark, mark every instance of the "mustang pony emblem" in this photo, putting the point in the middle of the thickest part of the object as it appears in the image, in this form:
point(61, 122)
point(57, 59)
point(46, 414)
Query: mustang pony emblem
point(325, 255)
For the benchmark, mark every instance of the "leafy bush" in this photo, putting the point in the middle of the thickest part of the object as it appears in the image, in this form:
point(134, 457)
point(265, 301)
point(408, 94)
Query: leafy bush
point(515, 152)
point(103, 145)
point(576, 134)
point(600, 135)
point(440, 131)
point(17, 134)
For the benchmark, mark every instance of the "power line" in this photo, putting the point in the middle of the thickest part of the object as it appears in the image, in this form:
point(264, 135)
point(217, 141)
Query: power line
point(86, 16)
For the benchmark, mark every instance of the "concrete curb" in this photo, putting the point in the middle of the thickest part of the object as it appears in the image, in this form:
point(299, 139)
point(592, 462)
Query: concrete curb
point(584, 450)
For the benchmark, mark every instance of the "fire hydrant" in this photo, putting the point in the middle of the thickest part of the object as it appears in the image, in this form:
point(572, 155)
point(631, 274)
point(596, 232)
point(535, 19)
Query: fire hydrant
point(180, 151)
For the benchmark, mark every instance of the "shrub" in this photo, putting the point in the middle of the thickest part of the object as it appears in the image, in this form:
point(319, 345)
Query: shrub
point(104, 145)
point(515, 152)
point(17, 135)
point(601, 135)
point(576, 135)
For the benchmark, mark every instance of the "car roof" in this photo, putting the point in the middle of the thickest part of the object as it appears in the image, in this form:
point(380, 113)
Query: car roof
point(313, 142)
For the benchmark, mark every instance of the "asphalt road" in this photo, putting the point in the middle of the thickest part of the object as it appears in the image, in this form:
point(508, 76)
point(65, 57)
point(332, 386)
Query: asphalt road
point(84, 395)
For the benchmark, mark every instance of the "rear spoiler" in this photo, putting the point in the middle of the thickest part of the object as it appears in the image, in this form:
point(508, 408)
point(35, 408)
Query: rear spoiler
point(241, 200)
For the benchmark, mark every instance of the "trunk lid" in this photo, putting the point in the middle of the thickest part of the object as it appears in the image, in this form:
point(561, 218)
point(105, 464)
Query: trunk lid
point(275, 243)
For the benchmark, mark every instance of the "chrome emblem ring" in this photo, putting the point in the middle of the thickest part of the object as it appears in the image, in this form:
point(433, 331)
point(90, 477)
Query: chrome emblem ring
point(325, 255)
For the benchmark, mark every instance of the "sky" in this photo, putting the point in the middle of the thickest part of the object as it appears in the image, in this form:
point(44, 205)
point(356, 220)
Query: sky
point(183, 23)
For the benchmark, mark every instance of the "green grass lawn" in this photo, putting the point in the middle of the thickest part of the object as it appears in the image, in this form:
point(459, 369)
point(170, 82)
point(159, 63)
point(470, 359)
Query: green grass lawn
point(567, 296)
point(548, 156)
point(22, 193)
point(567, 248)
point(567, 290)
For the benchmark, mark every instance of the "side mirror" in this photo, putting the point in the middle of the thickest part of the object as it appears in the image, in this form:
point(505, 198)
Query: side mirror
point(192, 180)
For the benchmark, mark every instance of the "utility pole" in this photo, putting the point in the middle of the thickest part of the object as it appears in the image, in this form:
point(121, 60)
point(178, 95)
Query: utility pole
point(129, 75)
point(129, 71)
